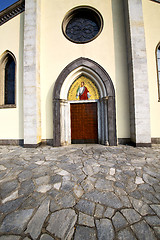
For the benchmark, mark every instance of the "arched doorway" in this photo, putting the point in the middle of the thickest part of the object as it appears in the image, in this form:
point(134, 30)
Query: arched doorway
point(105, 104)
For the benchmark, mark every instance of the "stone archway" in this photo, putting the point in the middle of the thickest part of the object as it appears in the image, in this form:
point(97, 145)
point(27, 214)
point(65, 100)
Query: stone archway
point(61, 106)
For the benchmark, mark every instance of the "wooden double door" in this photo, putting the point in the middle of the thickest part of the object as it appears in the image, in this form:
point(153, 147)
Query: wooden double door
point(84, 123)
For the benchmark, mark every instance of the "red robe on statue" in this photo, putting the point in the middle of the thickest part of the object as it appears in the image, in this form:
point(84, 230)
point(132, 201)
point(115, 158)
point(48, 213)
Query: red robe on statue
point(84, 95)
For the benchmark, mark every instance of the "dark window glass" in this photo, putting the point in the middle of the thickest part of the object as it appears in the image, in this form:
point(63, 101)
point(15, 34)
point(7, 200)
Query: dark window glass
point(82, 29)
point(158, 70)
point(10, 81)
point(82, 25)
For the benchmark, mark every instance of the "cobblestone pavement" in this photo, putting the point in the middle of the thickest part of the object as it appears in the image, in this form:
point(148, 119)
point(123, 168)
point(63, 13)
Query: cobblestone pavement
point(80, 192)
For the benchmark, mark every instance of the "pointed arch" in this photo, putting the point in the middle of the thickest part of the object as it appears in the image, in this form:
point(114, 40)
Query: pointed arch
point(61, 112)
point(7, 79)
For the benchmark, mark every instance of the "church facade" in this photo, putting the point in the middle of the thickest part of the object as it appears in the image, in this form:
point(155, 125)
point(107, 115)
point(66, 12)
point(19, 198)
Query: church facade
point(82, 71)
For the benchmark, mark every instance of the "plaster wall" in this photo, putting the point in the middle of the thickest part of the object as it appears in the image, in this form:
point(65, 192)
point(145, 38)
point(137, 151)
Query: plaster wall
point(121, 70)
point(108, 50)
point(151, 12)
point(11, 38)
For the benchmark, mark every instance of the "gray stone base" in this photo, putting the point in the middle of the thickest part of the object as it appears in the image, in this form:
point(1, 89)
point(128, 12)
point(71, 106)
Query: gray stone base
point(143, 144)
point(49, 142)
point(20, 142)
point(127, 141)
point(155, 140)
point(13, 142)
point(140, 144)
point(123, 141)
point(31, 145)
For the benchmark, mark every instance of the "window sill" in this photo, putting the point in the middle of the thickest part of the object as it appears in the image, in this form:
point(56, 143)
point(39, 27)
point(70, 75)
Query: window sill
point(8, 106)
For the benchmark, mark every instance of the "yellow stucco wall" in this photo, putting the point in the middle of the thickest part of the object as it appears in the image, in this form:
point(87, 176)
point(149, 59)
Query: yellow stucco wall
point(121, 71)
point(11, 38)
point(151, 12)
point(108, 50)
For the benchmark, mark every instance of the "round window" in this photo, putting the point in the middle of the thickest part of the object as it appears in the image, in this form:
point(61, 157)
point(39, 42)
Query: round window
point(82, 24)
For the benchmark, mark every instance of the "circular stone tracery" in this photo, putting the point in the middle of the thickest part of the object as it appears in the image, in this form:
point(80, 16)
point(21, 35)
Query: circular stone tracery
point(82, 24)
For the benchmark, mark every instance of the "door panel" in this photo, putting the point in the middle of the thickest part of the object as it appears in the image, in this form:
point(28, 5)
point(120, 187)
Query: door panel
point(84, 124)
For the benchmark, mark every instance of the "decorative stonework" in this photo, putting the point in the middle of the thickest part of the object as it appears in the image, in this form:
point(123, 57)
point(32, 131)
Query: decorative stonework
point(106, 103)
point(82, 24)
point(12, 11)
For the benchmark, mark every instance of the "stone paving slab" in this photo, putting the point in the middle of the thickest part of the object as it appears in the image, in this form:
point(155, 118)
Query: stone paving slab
point(79, 192)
